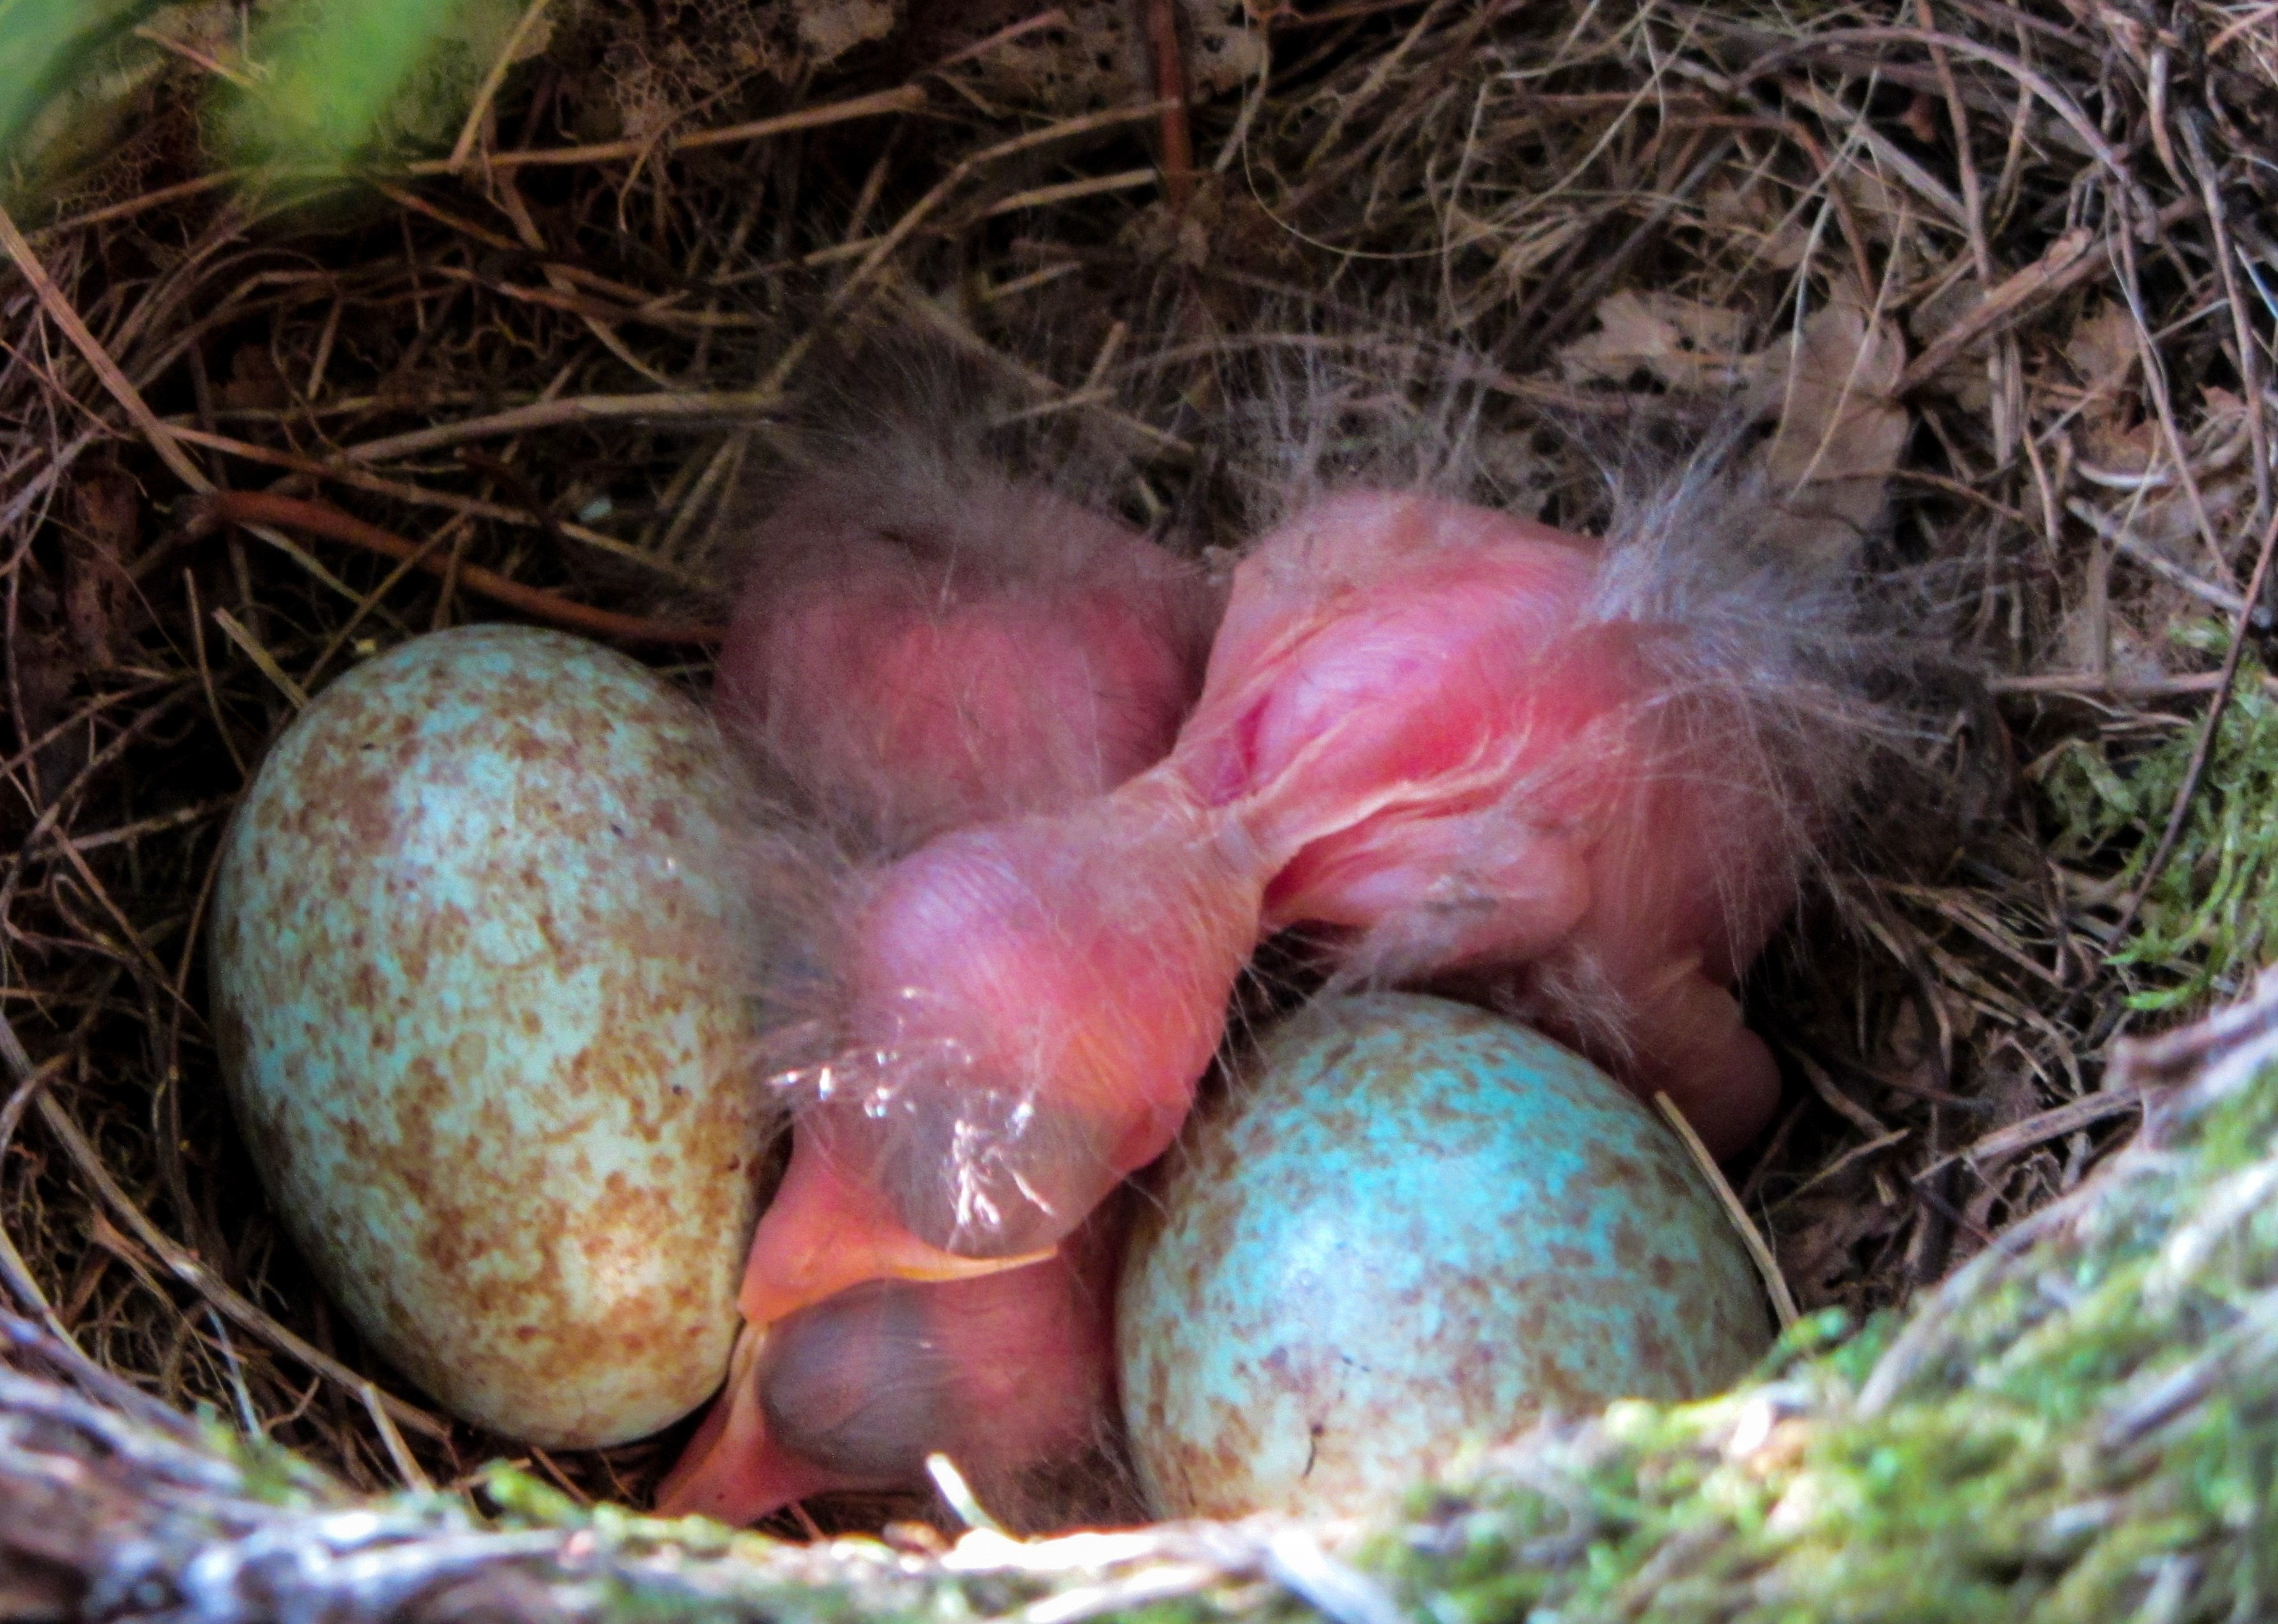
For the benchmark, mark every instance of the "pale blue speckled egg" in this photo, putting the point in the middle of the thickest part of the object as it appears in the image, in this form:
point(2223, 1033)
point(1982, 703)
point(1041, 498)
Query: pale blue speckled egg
point(482, 973)
point(1413, 1226)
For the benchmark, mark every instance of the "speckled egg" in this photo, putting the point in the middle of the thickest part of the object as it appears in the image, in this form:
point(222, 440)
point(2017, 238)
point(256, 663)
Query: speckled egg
point(1413, 1226)
point(482, 974)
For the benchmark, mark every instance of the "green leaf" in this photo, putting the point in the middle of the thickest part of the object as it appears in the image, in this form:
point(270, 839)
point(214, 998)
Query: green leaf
point(46, 46)
point(329, 71)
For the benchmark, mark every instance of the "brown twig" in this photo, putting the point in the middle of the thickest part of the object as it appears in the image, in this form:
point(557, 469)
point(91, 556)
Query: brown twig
point(1759, 1249)
point(2250, 358)
point(2067, 262)
point(1170, 90)
point(185, 1265)
point(905, 99)
point(663, 407)
point(251, 508)
point(61, 311)
point(402, 490)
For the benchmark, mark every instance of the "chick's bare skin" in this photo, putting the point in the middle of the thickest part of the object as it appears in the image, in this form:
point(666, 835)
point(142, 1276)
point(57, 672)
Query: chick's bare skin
point(923, 645)
point(1033, 1002)
point(924, 648)
point(1421, 725)
point(1441, 747)
point(1009, 1376)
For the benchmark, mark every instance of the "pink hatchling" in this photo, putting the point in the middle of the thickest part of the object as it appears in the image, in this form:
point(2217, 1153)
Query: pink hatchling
point(1463, 742)
point(922, 644)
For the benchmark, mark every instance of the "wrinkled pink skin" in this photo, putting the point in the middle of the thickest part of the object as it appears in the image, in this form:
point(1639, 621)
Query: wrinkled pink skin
point(921, 658)
point(1410, 729)
point(921, 655)
point(1006, 1375)
point(1433, 746)
point(1084, 958)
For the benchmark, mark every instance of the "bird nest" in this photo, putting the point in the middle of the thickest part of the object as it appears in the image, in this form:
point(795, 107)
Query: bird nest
point(2002, 267)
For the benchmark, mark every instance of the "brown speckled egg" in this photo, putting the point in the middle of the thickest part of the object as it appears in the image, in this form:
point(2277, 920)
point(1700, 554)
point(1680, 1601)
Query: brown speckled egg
point(482, 975)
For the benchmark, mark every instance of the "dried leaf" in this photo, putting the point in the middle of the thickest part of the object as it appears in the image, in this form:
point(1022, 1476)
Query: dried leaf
point(1946, 309)
point(2118, 448)
point(1964, 378)
point(2103, 347)
point(96, 580)
point(255, 383)
point(1840, 430)
point(1782, 239)
point(1684, 345)
point(1096, 58)
point(831, 29)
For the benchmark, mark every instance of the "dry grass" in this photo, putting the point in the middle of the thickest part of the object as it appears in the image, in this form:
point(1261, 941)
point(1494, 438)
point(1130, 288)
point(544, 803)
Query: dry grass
point(545, 365)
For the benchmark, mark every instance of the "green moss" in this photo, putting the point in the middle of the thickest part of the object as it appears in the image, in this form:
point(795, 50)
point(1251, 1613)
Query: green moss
point(2213, 906)
point(523, 1501)
point(2037, 1463)
point(268, 1472)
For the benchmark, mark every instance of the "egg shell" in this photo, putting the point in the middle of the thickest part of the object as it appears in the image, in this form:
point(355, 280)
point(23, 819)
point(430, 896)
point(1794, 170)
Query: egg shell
point(481, 974)
point(1412, 1226)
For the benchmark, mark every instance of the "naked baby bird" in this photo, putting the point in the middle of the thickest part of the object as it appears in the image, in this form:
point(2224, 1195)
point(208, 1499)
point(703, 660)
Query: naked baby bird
point(921, 644)
point(1458, 740)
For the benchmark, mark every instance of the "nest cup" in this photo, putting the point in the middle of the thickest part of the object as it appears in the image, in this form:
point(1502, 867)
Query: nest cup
point(1985, 289)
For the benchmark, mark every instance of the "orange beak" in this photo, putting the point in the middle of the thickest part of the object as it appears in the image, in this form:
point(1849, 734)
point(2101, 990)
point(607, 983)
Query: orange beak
point(731, 1471)
point(825, 1231)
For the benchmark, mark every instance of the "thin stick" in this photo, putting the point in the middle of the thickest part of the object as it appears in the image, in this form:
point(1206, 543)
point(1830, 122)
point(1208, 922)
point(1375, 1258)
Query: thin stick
point(487, 91)
point(1759, 1250)
point(407, 1465)
point(1170, 90)
point(13, 1269)
point(963, 169)
point(61, 801)
point(561, 1479)
point(160, 437)
point(2118, 687)
point(2250, 352)
point(186, 1266)
point(348, 627)
point(2053, 97)
point(2065, 264)
point(958, 1493)
point(148, 201)
point(2159, 563)
point(2204, 749)
point(1981, 251)
point(1849, 1158)
point(573, 409)
point(122, 390)
point(1055, 18)
point(1068, 191)
point(262, 659)
point(907, 98)
point(2053, 1122)
point(205, 671)
point(253, 508)
point(402, 490)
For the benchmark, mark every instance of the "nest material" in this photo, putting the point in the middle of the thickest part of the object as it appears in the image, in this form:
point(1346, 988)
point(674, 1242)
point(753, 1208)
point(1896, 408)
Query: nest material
point(2005, 263)
point(2081, 1424)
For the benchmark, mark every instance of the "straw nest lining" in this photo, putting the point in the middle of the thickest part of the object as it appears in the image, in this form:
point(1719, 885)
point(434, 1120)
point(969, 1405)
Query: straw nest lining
point(2079, 1425)
point(2026, 239)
